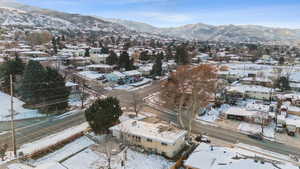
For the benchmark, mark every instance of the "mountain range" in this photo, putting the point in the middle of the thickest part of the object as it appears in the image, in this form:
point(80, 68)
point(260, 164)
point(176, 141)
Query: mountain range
point(236, 33)
point(16, 14)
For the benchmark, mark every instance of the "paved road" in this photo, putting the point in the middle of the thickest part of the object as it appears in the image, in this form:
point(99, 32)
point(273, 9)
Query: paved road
point(44, 128)
point(31, 130)
point(41, 129)
point(231, 136)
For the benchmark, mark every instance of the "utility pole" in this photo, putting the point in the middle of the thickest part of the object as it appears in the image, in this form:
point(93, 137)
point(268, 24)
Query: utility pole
point(12, 116)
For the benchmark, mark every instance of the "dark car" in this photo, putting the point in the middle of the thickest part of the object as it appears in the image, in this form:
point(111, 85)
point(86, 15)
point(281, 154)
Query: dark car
point(203, 139)
point(255, 136)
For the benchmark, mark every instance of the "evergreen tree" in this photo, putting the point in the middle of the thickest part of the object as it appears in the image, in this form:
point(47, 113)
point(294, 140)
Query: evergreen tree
point(281, 60)
point(32, 89)
point(125, 62)
point(144, 56)
point(104, 50)
point(54, 44)
point(157, 67)
point(182, 56)
point(13, 67)
point(57, 94)
point(283, 83)
point(87, 52)
point(103, 113)
point(112, 59)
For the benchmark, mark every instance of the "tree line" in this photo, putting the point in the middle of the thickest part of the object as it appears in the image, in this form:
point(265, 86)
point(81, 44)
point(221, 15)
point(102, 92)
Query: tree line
point(39, 87)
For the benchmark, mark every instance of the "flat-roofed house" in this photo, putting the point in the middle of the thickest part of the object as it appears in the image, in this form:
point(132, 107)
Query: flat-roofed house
point(154, 136)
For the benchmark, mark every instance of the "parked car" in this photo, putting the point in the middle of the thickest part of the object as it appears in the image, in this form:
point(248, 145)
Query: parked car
point(256, 136)
point(202, 138)
point(291, 130)
point(279, 128)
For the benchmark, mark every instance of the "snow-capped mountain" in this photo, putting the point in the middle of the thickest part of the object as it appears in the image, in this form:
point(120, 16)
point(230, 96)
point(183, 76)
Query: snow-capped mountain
point(15, 14)
point(236, 33)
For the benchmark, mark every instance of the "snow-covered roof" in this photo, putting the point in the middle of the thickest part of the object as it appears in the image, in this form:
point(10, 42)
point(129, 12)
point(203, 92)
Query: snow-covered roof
point(50, 165)
point(249, 88)
point(293, 120)
point(100, 66)
point(259, 79)
point(223, 158)
point(238, 111)
point(90, 74)
point(71, 84)
point(117, 73)
point(132, 73)
point(34, 53)
point(257, 107)
point(156, 131)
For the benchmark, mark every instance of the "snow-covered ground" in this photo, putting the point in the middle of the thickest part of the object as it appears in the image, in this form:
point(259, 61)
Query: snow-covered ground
point(89, 159)
point(269, 131)
point(213, 114)
point(20, 112)
point(52, 139)
point(66, 151)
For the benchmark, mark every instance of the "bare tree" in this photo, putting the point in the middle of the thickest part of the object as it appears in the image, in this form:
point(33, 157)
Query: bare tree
point(136, 103)
point(82, 94)
point(188, 90)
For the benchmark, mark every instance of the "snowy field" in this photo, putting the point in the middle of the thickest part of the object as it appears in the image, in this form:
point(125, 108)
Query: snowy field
point(20, 112)
point(88, 159)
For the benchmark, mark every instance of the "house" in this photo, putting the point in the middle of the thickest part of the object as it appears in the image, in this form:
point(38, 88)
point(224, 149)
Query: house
point(248, 115)
point(257, 81)
point(101, 68)
point(207, 156)
point(115, 76)
point(251, 91)
point(145, 69)
point(152, 135)
point(132, 76)
point(99, 58)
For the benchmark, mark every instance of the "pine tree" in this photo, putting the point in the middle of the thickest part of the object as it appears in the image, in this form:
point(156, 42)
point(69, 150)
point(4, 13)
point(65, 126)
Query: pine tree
point(125, 62)
point(87, 52)
point(157, 66)
point(112, 59)
point(182, 56)
point(57, 94)
point(54, 44)
point(281, 60)
point(104, 50)
point(33, 83)
point(13, 67)
point(103, 113)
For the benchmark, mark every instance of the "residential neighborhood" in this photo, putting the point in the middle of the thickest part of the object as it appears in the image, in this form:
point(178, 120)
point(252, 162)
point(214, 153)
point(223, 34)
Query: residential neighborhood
point(80, 91)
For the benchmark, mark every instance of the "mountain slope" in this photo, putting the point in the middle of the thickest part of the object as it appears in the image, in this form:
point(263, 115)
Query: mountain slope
point(220, 33)
point(136, 26)
point(15, 14)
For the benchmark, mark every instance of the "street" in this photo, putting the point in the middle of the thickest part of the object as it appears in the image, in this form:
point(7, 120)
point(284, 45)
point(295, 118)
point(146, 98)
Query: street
point(52, 125)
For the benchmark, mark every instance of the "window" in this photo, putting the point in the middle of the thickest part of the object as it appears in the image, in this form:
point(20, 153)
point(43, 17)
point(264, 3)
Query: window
point(164, 144)
point(149, 140)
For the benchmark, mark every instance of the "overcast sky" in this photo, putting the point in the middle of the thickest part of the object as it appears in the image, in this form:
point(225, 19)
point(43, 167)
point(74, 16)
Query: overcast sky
point(167, 13)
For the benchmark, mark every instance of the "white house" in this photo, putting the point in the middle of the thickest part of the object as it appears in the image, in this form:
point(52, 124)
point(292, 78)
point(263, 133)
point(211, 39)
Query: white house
point(154, 136)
